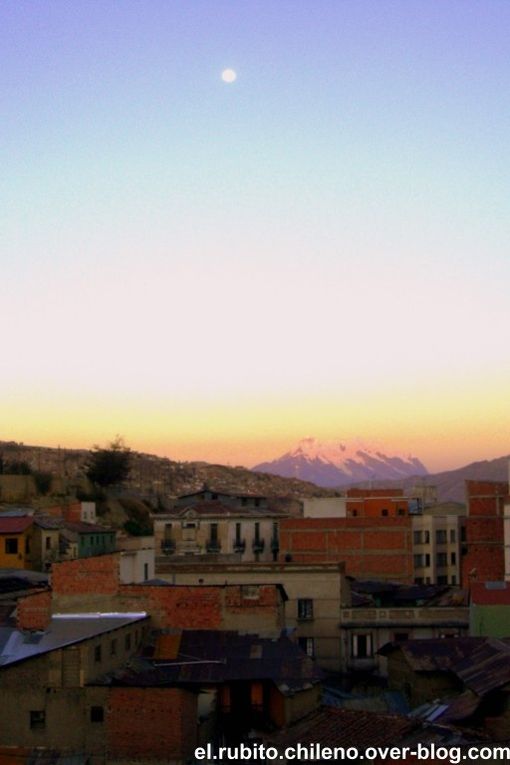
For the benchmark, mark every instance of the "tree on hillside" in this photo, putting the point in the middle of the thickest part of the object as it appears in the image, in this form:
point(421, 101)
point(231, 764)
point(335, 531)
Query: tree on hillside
point(110, 465)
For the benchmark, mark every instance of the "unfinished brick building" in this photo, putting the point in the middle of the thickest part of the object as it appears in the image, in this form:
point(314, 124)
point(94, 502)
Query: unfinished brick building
point(371, 548)
point(483, 549)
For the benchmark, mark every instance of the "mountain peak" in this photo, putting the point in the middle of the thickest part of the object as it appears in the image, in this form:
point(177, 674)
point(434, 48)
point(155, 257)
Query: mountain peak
point(335, 463)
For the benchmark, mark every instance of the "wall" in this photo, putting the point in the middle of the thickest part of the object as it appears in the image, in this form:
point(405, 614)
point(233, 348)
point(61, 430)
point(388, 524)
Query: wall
point(136, 565)
point(325, 507)
point(370, 548)
point(17, 488)
point(491, 621)
point(93, 584)
point(484, 558)
point(376, 503)
point(325, 585)
point(384, 624)
point(156, 723)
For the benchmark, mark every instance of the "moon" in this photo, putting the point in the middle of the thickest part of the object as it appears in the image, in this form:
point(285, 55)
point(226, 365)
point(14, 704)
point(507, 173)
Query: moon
point(228, 75)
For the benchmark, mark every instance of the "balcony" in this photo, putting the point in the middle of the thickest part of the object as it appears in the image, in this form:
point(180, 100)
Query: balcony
point(258, 545)
point(239, 546)
point(213, 546)
point(168, 547)
point(275, 545)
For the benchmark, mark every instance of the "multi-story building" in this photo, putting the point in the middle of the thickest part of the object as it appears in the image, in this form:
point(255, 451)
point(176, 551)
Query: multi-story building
point(217, 526)
point(438, 534)
point(315, 595)
point(484, 547)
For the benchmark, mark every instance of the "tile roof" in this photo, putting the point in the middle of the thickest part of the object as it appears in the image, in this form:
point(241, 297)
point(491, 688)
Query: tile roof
point(330, 726)
point(212, 657)
point(64, 629)
point(15, 524)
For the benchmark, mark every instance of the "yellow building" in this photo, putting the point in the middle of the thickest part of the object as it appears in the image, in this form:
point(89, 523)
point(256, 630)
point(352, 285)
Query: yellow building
point(15, 538)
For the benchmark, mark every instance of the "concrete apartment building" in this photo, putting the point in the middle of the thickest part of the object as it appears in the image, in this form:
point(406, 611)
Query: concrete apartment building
point(315, 595)
point(438, 534)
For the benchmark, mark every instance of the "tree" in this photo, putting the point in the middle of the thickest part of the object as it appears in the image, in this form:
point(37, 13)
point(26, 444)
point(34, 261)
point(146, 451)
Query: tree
point(109, 465)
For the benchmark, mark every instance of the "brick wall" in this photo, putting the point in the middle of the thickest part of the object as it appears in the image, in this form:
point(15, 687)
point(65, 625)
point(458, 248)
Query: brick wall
point(376, 503)
point(92, 584)
point(369, 548)
point(34, 611)
point(483, 556)
point(157, 723)
point(97, 575)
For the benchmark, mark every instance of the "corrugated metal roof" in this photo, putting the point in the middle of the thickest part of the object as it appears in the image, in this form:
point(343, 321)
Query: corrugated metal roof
point(213, 657)
point(64, 629)
point(487, 667)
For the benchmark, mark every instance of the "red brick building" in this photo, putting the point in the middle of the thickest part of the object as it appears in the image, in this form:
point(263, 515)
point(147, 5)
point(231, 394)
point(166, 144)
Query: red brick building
point(376, 503)
point(483, 548)
point(371, 548)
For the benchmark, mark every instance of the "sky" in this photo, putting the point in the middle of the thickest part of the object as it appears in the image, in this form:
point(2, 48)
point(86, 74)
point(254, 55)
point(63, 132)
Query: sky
point(216, 270)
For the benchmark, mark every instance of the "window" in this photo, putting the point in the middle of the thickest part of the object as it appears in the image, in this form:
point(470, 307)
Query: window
point(305, 608)
point(418, 561)
point(37, 719)
point(27, 545)
point(453, 559)
point(214, 532)
point(401, 511)
point(250, 591)
point(11, 546)
point(307, 645)
point(400, 637)
point(127, 642)
point(145, 571)
point(454, 579)
point(442, 579)
point(384, 511)
point(441, 536)
point(96, 714)
point(238, 533)
point(426, 537)
point(47, 543)
point(354, 513)
point(113, 647)
point(441, 559)
point(417, 537)
point(362, 646)
point(462, 533)
point(453, 535)
point(97, 653)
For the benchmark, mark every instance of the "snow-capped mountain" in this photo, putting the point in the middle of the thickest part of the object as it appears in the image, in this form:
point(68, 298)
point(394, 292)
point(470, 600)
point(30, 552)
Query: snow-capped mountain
point(336, 463)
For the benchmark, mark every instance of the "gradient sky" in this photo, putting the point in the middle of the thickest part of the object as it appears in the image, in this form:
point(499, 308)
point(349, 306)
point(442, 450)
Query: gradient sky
point(215, 271)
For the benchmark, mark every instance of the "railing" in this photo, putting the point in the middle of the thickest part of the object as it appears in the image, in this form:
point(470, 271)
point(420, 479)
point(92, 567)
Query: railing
point(258, 545)
point(239, 545)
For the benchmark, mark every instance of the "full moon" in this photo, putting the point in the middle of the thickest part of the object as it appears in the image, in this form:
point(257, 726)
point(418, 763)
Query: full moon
point(228, 75)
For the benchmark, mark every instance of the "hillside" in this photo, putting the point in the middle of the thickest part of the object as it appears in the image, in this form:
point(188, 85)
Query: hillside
point(158, 478)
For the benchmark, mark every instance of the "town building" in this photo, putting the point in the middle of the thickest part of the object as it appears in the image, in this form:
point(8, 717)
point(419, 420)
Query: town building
point(370, 547)
point(376, 503)
point(484, 547)
point(438, 534)
point(315, 595)
point(490, 609)
point(384, 612)
point(213, 526)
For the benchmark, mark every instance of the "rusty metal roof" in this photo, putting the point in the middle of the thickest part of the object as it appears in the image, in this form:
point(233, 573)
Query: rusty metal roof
point(213, 657)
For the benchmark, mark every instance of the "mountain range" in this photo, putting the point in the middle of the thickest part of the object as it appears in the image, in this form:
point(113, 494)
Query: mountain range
point(339, 463)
